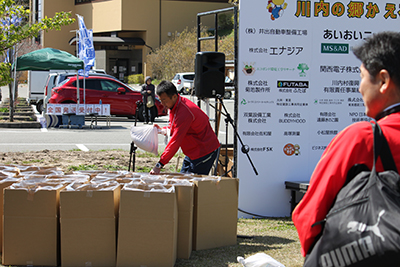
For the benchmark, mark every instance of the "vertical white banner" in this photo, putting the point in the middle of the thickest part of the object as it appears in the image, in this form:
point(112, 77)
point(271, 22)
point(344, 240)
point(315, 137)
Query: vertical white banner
point(298, 87)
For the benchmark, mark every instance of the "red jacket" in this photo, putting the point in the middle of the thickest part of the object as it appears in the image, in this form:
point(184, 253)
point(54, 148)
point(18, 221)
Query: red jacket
point(190, 130)
point(352, 145)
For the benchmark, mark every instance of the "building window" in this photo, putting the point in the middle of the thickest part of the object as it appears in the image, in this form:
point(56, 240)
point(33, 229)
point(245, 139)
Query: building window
point(77, 2)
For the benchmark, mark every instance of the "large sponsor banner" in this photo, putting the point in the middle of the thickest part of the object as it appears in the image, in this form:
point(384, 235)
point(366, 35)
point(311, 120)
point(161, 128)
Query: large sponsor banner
point(298, 87)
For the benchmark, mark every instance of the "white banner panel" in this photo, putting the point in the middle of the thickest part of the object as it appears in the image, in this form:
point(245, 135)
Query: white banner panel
point(298, 87)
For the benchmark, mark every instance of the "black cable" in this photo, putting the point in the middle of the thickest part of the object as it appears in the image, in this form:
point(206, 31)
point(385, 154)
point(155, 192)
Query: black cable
point(253, 214)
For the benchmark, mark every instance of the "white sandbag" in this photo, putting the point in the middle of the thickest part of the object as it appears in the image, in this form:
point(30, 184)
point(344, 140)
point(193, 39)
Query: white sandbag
point(259, 260)
point(145, 137)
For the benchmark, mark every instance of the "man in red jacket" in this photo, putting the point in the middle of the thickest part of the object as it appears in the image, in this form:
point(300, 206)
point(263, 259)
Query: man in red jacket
point(190, 130)
point(380, 90)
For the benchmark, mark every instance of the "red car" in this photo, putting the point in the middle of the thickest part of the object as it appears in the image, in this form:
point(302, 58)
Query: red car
point(122, 98)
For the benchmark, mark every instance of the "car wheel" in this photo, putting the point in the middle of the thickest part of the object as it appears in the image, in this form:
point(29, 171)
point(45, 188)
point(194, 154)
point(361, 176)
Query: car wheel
point(39, 106)
point(227, 95)
point(139, 114)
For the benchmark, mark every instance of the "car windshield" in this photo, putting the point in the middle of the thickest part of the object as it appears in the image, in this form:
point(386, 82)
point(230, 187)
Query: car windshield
point(63, 82)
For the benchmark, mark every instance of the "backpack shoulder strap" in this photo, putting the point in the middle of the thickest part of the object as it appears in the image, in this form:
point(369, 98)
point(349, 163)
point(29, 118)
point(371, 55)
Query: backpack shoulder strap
point(381, 148)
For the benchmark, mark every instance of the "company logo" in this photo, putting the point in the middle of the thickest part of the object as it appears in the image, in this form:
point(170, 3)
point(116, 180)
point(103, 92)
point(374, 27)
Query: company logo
point(248, 68)
point(334, 48)
point(292, 84)
point(362, 227)
point(290, 149)
point(262, 149)
point(363, 248)
point(246, 102)
point(276, 8)
point(302, 67)
point(329, 101)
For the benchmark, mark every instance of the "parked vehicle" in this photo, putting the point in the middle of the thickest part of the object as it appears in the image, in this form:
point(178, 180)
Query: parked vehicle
point(184, 82)
point(53, 79)
point(36, 82)
point(123, 99)
point(41, 82)
point(49, 85)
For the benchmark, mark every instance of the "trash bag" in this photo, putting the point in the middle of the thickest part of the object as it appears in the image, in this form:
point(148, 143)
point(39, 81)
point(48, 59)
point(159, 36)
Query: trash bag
point(145, 137)
point(259, 260)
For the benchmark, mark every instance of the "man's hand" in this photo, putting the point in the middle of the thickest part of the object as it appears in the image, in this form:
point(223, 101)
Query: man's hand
point(160, 130)
point(155, 170)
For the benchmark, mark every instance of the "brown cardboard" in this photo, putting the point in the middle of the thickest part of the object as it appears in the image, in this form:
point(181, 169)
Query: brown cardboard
point(147, 231)
point(4, 182)
point(30, 230)
point(185, 201)
point(221, 168)
point(88, 225)
point(215, 213)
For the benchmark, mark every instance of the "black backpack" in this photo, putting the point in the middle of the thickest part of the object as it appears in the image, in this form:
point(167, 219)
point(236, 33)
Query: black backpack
point(363, 226)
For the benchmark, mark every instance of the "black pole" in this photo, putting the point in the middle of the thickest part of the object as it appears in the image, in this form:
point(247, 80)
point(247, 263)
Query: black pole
point(132, 152)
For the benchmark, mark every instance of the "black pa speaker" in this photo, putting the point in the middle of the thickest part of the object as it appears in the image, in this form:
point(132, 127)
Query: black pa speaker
point(209, 76)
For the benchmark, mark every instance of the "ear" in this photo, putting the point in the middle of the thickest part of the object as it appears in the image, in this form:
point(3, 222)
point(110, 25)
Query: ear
point(385, 80)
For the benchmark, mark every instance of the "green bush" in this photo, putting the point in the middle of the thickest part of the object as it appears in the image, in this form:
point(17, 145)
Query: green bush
point(135, 79)
point(178, 54)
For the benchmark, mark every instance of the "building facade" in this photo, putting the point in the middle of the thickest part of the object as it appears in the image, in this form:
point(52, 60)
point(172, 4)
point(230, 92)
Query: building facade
point(126, 31)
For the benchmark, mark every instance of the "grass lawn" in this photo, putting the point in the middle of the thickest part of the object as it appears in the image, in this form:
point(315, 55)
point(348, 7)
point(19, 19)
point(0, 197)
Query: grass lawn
point(276, 237)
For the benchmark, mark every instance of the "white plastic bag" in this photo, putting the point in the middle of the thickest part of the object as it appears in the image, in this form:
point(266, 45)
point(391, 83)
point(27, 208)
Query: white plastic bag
point(259, 260)
point(145, 137)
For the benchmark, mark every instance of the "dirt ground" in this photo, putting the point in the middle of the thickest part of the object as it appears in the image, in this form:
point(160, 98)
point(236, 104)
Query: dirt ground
point(96, 160)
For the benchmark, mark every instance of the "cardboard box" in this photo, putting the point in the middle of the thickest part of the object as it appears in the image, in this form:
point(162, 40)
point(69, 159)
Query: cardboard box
point(88, 214)
point(4, 182)
point(221, 168)
point(31, 228)
point(215, 212)
point(147, 232)
point(185, 202)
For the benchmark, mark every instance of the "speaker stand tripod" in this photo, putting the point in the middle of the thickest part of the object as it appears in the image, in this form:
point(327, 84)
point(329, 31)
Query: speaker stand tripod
point(132, 151)
point(244, 148)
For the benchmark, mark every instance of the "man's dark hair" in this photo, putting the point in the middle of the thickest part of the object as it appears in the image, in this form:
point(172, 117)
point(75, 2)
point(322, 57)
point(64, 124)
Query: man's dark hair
point(167, 87)
point(381, 51)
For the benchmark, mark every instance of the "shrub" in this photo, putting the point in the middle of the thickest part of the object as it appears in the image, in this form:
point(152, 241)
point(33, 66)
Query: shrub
point(135, 79)
point(178, 54)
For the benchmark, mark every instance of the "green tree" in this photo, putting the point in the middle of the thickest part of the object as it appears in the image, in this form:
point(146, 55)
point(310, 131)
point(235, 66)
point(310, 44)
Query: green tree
point(14, 28)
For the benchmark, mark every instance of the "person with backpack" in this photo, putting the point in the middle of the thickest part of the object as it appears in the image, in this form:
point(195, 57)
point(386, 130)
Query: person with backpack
point(380, 90)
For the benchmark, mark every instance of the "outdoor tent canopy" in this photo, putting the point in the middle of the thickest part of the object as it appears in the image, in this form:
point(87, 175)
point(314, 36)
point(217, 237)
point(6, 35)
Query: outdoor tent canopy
point(49, 59)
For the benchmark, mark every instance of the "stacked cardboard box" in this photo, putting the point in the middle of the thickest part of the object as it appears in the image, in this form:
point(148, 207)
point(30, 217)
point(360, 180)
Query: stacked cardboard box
point(30, 235)
point(185, 201)
point(5, 181)
point(215, 212)
point(158, 218)
point(88, 215)
point(148, 221)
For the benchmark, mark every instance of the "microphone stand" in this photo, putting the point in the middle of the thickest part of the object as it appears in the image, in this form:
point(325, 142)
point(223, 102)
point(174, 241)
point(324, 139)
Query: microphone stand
point(132, 152)
point(245, 148)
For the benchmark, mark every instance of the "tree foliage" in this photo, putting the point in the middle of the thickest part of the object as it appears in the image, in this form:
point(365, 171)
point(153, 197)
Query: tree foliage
point(178, 54)
point(12, 33)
